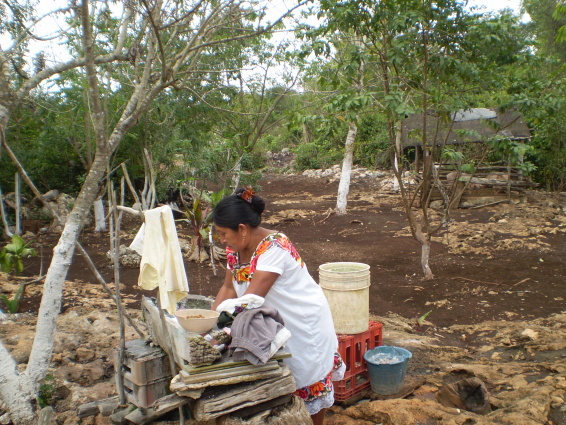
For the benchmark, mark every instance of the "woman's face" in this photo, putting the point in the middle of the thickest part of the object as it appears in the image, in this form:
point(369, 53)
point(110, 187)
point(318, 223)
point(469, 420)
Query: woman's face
point(232, 238)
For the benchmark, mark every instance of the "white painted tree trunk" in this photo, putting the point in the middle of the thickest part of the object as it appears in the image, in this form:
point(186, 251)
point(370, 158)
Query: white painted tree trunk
point(99, 216)
point(395, 179)
point(344, 186)
point(18, 390)
point(15, 388)
point(425, 255)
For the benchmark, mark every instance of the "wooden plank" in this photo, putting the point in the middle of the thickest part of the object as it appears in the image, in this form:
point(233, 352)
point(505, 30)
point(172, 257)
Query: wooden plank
point(266, 405)
point(493, 182)
point(99, 406)
point(293, 413)
point(219, 401)
point(226, 362)
point(191, 376)
point(119, 416)
point(194, 394)
point(225, 380)
point(160, 407)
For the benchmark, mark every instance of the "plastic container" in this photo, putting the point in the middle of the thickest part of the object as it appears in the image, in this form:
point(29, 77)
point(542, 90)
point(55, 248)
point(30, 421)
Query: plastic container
point(387, 367)
point(197, 320)
point(346, 287)
point(352, 349)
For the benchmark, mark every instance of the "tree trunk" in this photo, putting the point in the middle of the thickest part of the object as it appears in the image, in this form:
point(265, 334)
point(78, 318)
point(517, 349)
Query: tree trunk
point(15, 390)
point(398, 154)
point(99, 216)
point(19, 389)
point(344, 186)
point(7, 230)
point(425, 255)
point(396, 182)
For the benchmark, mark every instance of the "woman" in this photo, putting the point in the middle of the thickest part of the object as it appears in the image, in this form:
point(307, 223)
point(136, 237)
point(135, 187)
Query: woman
point(265, 263)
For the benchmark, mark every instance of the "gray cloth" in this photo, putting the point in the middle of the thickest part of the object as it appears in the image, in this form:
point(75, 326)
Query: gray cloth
point(253, 332)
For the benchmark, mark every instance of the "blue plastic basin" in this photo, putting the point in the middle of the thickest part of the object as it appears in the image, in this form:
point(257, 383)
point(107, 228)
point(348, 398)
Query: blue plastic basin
point(387, 367)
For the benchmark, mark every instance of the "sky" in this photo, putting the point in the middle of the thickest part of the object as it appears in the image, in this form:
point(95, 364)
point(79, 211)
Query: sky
point(279, 6)
point(497, 4)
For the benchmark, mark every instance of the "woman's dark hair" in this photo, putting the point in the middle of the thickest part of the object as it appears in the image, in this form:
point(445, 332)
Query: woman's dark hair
point(235, 210)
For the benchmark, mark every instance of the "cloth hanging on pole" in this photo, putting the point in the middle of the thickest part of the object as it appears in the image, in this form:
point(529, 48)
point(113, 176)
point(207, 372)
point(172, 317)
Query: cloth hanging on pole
point(162, 262)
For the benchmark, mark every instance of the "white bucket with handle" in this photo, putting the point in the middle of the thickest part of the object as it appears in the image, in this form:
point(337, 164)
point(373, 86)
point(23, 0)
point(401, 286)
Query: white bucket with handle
point(346, 287)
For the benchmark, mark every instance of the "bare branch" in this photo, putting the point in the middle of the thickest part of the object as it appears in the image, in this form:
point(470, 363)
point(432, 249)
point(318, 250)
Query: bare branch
point(97, 114)
point(26, 30)
point(36, 79)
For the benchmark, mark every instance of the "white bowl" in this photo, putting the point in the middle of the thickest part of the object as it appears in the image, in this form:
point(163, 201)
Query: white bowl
point(197, 320)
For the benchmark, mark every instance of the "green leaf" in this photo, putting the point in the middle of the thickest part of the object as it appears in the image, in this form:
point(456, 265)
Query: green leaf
point(421, 319)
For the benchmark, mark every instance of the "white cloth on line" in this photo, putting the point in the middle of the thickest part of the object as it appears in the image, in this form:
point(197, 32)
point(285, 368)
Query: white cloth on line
point(162, 262)
point(137, 243)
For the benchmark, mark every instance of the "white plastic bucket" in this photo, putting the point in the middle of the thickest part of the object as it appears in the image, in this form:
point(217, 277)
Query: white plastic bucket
point(346, 287)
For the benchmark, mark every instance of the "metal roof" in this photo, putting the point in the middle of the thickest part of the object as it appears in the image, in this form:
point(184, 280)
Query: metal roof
point(484, 123)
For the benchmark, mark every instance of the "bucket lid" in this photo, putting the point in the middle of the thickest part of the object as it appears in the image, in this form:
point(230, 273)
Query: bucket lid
point(343, 267)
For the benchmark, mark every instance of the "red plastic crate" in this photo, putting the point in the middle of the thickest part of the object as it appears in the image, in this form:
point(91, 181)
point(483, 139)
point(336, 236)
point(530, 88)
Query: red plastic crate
point(352, 349)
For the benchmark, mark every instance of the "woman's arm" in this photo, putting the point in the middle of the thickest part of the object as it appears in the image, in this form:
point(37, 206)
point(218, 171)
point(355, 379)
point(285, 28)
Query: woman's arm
point(261, 283)
point(226, 291)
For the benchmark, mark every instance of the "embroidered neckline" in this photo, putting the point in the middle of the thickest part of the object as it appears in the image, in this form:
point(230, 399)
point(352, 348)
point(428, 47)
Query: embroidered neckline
point(243, 273)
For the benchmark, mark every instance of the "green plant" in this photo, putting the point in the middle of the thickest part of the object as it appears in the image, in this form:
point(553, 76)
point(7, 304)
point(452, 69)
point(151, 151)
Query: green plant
point(199, 214)
point(13, 254)
point(46, 391)
point(13, 304)
point(419, 322)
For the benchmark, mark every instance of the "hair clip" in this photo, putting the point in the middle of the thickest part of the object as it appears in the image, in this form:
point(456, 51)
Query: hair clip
point(247, 194)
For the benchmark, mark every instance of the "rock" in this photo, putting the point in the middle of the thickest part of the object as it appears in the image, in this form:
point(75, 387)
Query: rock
point(556, 402)
point(22, 350)
point(68, 373)
point(529, 334)
point(84, 354)
point(467, 394)
point(5, 419)
point(102, 420)
point(95, 371)
point(102, 390)
point(345, 420)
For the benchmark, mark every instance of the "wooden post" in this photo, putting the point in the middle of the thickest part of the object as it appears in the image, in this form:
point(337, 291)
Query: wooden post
point(509, 178)
point(114, 222)
point(18, 191)
point(169, 350)
point(417, 159)
point(7, 231)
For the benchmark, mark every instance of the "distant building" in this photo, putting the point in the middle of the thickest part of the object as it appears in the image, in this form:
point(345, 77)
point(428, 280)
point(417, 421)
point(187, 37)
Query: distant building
point(480, 124)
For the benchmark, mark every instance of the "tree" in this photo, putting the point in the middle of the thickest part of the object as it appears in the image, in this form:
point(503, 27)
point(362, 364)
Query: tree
point(154, 47)
point(345, 96)
point(549, 20)
point(422, 57)
point(540, 92)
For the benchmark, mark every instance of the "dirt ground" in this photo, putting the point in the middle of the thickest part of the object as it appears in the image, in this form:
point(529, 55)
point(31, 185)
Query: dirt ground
point(498, 262)
point(499, 272)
